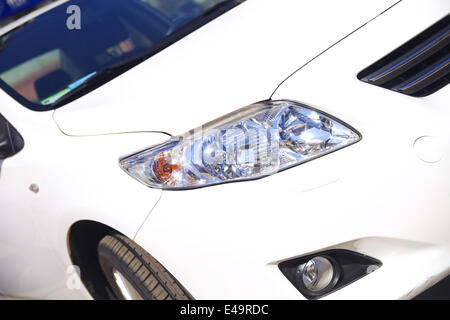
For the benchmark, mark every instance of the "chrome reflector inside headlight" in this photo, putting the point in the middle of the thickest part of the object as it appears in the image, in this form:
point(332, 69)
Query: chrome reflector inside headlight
point(251, 143)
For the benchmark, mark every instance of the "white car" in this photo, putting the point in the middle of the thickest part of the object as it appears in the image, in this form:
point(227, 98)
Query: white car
point(341, 159)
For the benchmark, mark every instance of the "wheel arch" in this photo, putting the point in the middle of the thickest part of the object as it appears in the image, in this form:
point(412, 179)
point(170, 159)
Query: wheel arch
point(82, 240)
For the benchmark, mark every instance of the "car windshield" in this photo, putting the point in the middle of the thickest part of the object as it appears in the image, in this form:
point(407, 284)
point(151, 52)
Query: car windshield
point(66, 48)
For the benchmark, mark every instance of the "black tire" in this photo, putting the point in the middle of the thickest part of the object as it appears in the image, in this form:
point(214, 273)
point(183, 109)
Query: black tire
point(144, 273)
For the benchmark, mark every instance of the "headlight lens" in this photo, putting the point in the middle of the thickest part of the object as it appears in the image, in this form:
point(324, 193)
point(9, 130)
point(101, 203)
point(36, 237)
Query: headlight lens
point(251, 143)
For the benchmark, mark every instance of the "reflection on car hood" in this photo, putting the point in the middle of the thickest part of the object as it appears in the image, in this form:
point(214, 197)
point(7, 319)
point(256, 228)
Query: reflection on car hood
point(235, 60)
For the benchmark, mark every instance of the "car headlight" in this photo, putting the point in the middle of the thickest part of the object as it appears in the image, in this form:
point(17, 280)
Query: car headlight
point(250, 143)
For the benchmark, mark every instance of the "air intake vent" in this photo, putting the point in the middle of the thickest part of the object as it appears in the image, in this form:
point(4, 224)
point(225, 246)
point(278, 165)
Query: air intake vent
point(418, 68)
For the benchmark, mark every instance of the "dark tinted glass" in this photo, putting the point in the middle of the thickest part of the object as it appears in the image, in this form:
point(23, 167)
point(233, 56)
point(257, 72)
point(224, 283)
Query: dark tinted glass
point(60, 51)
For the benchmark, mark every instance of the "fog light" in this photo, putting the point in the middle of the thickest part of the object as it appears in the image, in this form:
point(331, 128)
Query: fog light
point(318, 274)
point(323, 273)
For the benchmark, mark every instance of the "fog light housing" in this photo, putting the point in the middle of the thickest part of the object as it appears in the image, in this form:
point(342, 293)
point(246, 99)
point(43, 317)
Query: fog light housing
point(324, 272)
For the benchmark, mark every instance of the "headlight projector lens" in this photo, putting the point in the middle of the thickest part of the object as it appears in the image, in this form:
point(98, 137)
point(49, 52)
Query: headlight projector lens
point(318, 274)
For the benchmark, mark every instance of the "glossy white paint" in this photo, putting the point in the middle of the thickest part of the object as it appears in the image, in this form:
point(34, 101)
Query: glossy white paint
point(375, 190)
point(376, 197)
point(430, 149)
point(233, 61)
point(79, 179)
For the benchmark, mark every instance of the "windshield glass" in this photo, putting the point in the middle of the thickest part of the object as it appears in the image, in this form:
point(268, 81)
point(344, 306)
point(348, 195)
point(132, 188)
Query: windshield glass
point(61, 51)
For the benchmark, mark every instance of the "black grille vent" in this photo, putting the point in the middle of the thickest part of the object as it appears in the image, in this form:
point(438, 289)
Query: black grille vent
point(418, 68)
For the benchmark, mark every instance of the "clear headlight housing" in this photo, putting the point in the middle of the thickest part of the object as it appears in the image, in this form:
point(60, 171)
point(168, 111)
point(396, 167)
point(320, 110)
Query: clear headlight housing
point(250, 143)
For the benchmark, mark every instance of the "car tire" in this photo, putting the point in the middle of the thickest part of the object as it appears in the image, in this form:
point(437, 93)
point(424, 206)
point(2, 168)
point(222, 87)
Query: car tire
point(133, 274)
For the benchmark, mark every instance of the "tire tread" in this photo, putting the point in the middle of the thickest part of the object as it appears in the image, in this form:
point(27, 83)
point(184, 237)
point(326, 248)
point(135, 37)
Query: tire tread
point(157, 281)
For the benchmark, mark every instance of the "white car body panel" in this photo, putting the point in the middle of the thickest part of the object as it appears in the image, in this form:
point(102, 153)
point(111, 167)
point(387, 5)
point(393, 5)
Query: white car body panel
point(224, 241)
point(79, 179)
point(376, 192)
point(243, 56)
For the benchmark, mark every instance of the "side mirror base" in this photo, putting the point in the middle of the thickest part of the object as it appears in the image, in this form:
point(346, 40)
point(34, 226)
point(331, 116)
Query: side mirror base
point(11, 142)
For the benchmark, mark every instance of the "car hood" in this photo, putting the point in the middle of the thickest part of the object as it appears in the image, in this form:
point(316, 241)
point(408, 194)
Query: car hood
point(233, 61)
